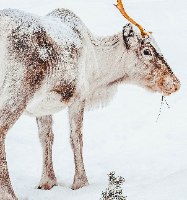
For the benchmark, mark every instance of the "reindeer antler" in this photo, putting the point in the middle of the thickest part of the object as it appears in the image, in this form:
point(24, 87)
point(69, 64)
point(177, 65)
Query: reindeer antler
point(123, 12)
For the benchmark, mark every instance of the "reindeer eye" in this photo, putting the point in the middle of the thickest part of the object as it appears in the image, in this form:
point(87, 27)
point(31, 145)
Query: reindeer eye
point(147, 52)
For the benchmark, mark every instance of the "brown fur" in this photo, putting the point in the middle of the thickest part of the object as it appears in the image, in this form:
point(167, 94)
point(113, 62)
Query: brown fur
point(25, 48)
point(66, 90)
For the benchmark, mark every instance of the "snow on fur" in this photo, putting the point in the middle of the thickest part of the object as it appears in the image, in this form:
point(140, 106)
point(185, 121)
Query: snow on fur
point(54, 62)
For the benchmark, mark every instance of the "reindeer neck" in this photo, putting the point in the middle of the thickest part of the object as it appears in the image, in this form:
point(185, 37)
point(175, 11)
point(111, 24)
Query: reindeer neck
point(110, 54)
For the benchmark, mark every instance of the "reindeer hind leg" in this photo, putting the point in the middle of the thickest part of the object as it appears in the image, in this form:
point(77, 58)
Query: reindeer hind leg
point(14, 100)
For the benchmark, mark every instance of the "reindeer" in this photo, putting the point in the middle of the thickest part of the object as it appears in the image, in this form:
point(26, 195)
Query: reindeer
point(52, 62)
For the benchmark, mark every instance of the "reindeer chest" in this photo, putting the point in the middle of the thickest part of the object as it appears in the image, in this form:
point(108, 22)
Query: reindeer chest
point(100, 96)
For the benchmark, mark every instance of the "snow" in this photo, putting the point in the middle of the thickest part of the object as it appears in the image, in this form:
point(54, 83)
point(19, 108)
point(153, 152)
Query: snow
point(123, 137)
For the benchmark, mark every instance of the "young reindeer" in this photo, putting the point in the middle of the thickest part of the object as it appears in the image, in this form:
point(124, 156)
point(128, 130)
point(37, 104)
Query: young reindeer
point(52, 62)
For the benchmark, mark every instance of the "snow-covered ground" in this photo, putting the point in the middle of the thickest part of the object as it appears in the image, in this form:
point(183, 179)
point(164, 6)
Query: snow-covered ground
point(123, 137)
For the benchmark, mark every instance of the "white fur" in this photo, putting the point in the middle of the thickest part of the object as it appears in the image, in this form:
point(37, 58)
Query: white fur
point(87, 69)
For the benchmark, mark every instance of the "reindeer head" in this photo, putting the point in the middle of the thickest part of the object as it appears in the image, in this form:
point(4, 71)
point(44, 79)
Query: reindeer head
point(151, 69)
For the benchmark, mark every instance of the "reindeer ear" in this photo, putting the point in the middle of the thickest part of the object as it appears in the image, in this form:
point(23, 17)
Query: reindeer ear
point(129, 36)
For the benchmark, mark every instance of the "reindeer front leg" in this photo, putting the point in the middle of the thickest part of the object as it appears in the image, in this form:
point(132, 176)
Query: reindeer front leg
point(76, 112)
point(48, 179)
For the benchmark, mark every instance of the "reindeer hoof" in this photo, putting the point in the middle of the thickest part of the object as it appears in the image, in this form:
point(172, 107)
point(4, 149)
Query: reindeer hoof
point(47, 185)
point(79, 183)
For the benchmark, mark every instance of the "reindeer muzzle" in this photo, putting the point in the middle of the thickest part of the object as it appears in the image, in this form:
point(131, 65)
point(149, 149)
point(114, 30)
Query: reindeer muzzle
point(170, 86)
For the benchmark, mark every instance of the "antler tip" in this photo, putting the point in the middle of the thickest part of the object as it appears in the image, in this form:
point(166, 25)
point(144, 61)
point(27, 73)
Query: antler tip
point(123, 12)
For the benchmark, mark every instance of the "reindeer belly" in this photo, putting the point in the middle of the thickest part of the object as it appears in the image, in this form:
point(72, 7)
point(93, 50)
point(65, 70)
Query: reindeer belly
point(47, 104)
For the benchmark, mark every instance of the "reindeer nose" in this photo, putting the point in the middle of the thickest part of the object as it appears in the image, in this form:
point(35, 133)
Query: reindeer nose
point(171, 86)
point(177, 85)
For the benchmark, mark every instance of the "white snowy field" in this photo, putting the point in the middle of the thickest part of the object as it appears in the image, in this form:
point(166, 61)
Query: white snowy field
point(123, 137)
